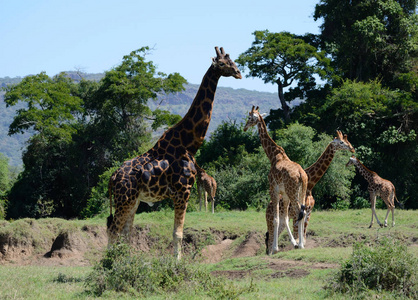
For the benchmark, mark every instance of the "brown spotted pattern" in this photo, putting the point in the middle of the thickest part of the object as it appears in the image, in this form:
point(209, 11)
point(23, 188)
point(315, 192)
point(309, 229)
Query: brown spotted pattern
point(377, 187)
point(206, 186)
point(168, 169)
point(286, 178)
point(315, 173)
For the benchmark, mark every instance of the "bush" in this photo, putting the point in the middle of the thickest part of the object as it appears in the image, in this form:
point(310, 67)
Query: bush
point(2, 208)
point(123, 270)
point(386, 266)
point(99, 196)
point(245, 184)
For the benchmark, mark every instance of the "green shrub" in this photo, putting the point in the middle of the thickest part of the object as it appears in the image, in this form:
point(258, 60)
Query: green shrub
point(385, 266)
point(245, 184)
point(2, 208)
point(123, 270)
point(99, 196)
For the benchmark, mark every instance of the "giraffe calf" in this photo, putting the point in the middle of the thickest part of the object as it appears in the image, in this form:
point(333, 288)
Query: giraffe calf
point(377, 187)
point(206, 184)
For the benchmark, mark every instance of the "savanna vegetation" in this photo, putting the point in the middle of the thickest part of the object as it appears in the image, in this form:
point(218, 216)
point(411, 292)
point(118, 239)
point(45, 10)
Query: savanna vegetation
point(224, 258)
point(359, 75)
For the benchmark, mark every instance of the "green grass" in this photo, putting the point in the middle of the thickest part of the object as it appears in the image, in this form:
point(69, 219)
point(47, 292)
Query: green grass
point(40, 282)
point(334, 233)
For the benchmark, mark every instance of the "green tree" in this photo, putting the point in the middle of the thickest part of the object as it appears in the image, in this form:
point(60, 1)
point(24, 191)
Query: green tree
point(50, 106)
point(4, 174)
point(118, 110)
point(50, 112)
point(4, 183)
point(227, 145)
point(81, 130)
point(287, 60)
point(369, 39)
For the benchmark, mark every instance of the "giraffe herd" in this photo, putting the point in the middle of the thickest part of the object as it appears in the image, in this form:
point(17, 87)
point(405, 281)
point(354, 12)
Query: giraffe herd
point(169, 170)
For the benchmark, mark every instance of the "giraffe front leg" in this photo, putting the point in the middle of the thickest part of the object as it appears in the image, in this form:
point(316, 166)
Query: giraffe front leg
point(373, 201)
point(270, 227)
point(275, 247)
point(179, 216)
point(373, 204)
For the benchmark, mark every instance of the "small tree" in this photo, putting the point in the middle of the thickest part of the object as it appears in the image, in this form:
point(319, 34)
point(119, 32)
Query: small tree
point(287, 60)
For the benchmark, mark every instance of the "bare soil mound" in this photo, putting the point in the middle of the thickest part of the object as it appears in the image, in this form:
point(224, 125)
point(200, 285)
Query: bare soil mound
point(83, 246)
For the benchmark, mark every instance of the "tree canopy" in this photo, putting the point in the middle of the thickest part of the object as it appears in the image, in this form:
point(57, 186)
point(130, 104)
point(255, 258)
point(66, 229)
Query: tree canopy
point(369, 39)
point(81, 130)
point(287, 60)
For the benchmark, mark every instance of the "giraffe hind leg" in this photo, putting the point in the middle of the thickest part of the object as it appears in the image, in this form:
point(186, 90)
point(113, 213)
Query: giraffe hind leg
point(392, 206)
point(386, 218)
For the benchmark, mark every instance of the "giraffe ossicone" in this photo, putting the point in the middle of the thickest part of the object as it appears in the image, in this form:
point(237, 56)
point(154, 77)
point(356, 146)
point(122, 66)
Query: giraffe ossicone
point(377, 187)
point(168, 169)
point(286, 178)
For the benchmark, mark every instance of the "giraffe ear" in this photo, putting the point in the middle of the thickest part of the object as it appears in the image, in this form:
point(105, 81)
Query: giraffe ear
point(263, 115)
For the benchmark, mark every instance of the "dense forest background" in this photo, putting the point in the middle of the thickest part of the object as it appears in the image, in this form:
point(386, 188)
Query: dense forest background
point(231, 104)
point(359, 75)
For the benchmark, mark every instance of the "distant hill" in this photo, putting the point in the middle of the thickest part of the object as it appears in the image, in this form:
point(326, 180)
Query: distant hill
point(230, 104)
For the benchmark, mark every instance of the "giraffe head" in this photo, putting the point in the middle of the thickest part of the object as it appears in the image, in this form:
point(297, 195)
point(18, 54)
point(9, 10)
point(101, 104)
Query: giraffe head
point(341, 142)
point(253, 118)
point(223, 64)
point(351, 161)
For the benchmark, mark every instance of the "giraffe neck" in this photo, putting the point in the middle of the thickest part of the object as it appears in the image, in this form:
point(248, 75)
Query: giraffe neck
point(318, 169)
point(366, 173)
point(191, 130)
point(273, 151)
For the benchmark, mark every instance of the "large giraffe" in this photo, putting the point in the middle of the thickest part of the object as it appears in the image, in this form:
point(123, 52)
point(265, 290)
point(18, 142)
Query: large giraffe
point(286, 178)
point(206, 185)
point(377, 187)
point(315, 173)
point(168, 169)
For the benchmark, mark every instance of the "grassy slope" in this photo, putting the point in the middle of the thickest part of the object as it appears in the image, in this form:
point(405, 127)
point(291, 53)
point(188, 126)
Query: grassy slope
point(333, 231)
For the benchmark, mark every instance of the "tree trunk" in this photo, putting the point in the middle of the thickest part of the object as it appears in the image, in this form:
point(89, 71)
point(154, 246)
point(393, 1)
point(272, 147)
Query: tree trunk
point(285, 107)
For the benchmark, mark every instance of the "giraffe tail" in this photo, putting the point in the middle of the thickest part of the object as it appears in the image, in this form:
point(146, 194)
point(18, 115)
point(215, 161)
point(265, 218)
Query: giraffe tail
point(110, 217)
point(396, 198)
point(399, 203)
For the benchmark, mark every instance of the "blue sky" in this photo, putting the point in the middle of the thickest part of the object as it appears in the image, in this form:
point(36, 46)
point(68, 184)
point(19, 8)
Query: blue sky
point(93, 36)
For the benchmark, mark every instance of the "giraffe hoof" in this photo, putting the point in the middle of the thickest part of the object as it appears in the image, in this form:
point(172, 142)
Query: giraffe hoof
point(381, 225)
point(386, 225)
point(370, 225)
